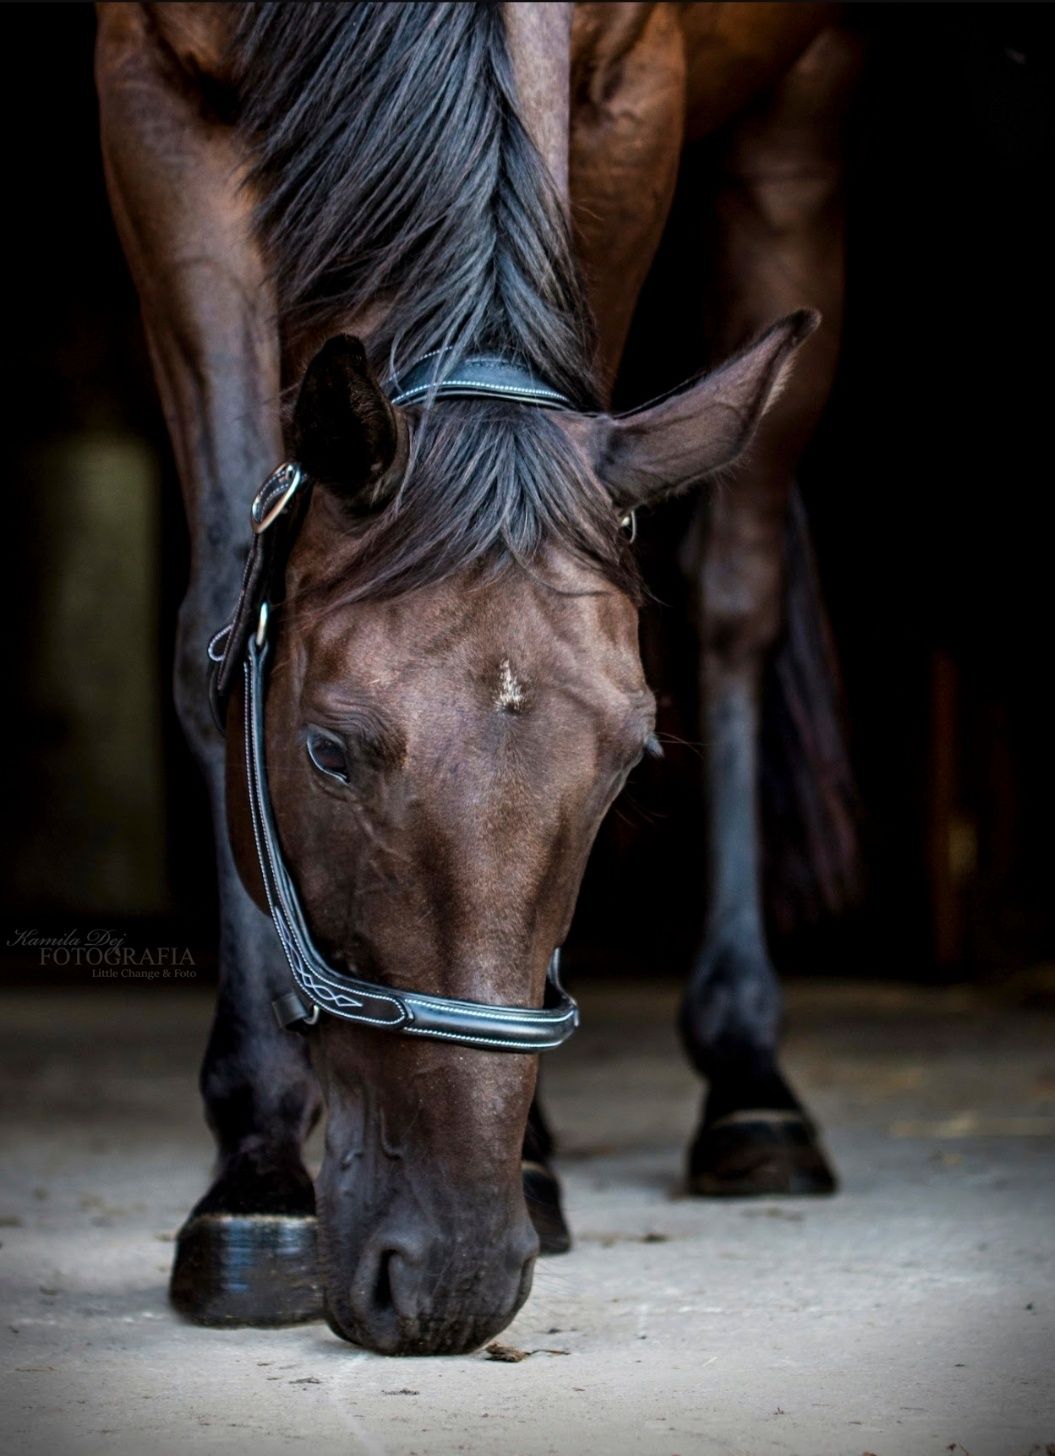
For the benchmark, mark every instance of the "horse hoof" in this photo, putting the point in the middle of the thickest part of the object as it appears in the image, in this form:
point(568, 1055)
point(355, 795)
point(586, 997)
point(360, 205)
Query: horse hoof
point(759, 1154)
point(542, 1192)
point(246, 1269)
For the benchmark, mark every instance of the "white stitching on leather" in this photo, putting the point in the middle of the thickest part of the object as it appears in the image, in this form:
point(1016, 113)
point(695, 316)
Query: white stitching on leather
point(499, 1013)
point(432, 354)
point(519, 1046)
point(223, 632)
point(481, 388)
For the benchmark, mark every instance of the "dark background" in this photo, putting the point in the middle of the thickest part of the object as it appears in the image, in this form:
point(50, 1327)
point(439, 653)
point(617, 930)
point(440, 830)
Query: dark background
point(927, 488)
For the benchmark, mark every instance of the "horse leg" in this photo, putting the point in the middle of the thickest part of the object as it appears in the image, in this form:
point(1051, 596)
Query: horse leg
point(621, 154)
point(778, 211)
point(627, 125)
point(541, 1185)
point(247, 1252)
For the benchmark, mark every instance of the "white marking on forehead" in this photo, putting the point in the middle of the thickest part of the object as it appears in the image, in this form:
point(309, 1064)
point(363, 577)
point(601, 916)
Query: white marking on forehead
point(509, 696)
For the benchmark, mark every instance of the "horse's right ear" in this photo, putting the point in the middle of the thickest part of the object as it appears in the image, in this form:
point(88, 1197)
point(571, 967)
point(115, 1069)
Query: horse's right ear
point(345, 433)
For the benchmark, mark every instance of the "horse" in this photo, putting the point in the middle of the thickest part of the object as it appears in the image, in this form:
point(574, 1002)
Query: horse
point(399, 248)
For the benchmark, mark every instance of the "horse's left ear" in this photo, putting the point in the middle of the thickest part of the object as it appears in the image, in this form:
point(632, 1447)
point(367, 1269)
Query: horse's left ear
point(667, 447)
point(345, 433)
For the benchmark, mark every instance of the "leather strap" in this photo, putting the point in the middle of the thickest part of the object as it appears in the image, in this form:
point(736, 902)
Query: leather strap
point(469, 1023)
point(272, 518)
point(243, 643)
point(478, 374)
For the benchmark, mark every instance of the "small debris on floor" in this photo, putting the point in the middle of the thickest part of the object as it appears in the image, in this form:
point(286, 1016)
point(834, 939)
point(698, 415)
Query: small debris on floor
point(509, 1353)
point(512, 1355)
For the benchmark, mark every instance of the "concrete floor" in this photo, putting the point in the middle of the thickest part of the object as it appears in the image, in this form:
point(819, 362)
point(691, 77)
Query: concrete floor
point(914, 1313)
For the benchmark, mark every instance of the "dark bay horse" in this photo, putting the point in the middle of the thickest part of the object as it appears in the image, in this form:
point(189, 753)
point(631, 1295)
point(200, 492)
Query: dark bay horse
point(314, 199)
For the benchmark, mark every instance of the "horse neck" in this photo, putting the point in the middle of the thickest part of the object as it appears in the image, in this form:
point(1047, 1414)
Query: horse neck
point(538, 44)
point(539, 41)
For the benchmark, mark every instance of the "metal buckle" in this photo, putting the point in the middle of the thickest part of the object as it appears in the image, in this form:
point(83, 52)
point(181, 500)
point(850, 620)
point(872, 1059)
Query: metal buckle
point(261, 624)
point(260, 514)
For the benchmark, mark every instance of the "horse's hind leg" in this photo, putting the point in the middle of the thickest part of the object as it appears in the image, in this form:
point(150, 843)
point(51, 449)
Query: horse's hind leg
point(247, 1252)
point(541, 1185)
point(778, 211)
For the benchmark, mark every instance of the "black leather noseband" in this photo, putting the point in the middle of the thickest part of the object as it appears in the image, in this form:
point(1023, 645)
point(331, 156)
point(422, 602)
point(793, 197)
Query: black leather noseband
point(243, 645)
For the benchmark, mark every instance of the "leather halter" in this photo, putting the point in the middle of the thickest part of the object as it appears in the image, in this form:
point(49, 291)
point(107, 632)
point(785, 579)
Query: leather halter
point(243, 644)
point(478, 374)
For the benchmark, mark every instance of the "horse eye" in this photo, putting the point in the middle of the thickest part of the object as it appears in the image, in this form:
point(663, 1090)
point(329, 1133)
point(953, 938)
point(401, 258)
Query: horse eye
point(328, 756)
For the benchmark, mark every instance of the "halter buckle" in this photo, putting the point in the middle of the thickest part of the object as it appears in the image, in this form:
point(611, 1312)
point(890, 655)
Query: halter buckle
point(285, 481)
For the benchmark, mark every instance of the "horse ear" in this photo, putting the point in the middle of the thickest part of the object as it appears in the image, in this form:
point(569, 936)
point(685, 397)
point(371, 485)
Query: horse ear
point(345, 433)
point(668, 447)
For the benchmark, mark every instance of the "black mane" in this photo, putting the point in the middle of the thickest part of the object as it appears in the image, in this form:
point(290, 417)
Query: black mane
point(392, 165)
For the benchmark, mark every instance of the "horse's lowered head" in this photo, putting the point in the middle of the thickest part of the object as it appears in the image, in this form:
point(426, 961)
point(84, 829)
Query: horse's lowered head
point(455, 700)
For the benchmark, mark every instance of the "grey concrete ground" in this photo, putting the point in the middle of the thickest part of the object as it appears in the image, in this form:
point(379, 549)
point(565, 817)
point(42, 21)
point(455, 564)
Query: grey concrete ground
point(913, 1313)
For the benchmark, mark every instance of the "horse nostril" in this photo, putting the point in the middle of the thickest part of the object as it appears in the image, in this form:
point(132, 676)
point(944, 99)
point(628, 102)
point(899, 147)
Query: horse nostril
point(372, 1312)
point(408, 1295)
point(527, 1274)
point(384, 1288)
point(383, 1298)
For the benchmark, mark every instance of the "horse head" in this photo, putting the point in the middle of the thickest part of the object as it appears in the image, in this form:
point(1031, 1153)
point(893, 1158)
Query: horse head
point(456, 698)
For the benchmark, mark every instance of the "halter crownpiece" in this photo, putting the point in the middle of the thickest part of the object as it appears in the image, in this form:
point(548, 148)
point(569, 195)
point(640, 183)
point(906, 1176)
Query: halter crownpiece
point(243, 644)
point(475, 375)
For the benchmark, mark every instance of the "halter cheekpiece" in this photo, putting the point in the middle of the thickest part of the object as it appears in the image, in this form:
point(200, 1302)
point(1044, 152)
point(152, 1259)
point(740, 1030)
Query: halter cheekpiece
point(244, 646)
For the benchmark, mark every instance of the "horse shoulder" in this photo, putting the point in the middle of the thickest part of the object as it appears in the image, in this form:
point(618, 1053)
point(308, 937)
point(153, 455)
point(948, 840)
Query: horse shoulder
point(627, 118)
point(736, 51)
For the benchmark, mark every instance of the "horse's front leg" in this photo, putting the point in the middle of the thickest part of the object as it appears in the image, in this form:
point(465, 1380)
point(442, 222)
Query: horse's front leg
point(247, 1252)
point(627, 106)
point(778, 209)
